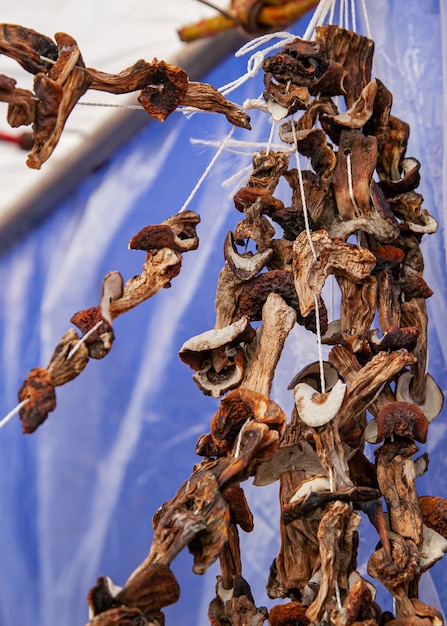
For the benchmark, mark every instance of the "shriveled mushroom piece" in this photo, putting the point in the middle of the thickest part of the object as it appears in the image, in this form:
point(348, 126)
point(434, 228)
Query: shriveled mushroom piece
point(268, 167)
point(263, 354)
point(207, 98)
point(159, 268)
point(228, 290)
point(316, 190)
point(357, 310)
point(58, 91)
point(367, 382)
point(38, 390)
point(397, 571)
point(360, 111)
point(394, 339)
point(389, 259)
point(414, 313)
point(255, 227)
point(311, 143)
point(410, 180)
point(393, 150)
point(235, 606)
point(288, 613)
point(246, 265)
point(353, 52)
point(177, 232)
point(396, 478)
point(152, 589)
point(415, 219)
point(237, 409)
point(284, 98)
point(165, 89)
point(21, 103)
point(197, 517)
point(96, 323)
point(356, 161)
point(434, 513)
point(62, 368)
point(301, 62)
point(331, 257)
point(217, 357)
point(404, 419)
point(336, 535)
point(255, 291)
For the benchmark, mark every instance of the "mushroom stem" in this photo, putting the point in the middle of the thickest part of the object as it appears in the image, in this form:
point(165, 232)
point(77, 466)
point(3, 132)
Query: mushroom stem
point(278, 320)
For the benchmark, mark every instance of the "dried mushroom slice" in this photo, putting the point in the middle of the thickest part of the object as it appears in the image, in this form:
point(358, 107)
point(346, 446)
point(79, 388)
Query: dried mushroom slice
point(151, 589)
point(58, 91)
point(27, 47)
point(38, 391)
point(165, 89)
point(301, 62)
point(332, 257)
point(246, 265)
point(353, 52)
point(64, 368)
point(206, 98)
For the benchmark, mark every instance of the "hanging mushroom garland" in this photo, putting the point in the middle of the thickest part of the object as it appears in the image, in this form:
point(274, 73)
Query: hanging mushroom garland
point(373, 388)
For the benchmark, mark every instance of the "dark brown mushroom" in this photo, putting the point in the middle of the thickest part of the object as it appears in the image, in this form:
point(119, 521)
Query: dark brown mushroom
point(38, 390)
point(404, 419)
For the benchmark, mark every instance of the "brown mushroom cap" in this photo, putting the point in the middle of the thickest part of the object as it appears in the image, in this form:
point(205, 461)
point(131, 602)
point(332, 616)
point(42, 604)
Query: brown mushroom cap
point(404, 419)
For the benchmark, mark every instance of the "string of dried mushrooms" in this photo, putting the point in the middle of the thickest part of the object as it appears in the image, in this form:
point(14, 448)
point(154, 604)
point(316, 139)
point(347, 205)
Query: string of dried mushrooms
point(354, 214)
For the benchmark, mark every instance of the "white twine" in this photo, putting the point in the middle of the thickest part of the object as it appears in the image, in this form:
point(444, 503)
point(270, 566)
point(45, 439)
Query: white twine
point(234, 144)
point(302, 193)
point(318, 18)
point(366, 18)
point(256, 60)
point(83, 339)
point(14, 411)
point(331, 14)
point(338, 596)
point(272, 132)
point(353, 16)
point(207, 170)
point(314, 253)
point(232, 180)
point(239, 439)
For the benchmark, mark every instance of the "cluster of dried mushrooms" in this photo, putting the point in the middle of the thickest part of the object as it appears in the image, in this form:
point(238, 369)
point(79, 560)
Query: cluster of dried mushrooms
point(354, 214)
point(61, 79)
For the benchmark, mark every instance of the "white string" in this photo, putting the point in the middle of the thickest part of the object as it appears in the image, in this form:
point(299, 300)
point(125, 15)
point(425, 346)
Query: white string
point(350, 187)
point(366, 18)
point(318, 18)
point(239, 143)
point(337, 595)
point(302, 193)
point(237, 176)
point(272, 132)
point(314, 253)
point(207, 170)
point(346, 14)
point(340, 15)
point(353, 16)
point(255, 62)
point(77, 345)
point(137, 107)
point(14, 411)
point(239, 438)
point(331, 15)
